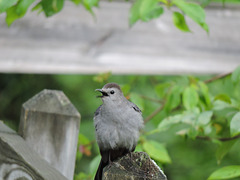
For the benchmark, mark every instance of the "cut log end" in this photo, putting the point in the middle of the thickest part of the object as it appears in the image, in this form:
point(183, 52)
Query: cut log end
point(134, 166)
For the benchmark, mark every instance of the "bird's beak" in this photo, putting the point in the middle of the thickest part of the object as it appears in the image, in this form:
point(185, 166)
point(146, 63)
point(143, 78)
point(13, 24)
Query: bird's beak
point(103, 93)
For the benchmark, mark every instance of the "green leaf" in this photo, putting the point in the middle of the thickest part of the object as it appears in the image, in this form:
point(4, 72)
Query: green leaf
point(144, 10)
point(38, 7)
point(207, 129)
point(77, 2)
point(139, 148)
point(79, 155)
point(94, 164)
point(168, 122)
point(220, 105)
point(225, 173)
point(162, 89)
point(223, 149)
point(204, 118)
point(23, 6)
point(223, 97)
point(51, 7)
point(190, 98)
point(136, 99)
point(173, 98)
point(17, 11)
point(83, 176)
point(179, 22)
point(12, 15)
point(194, 11)
point(193, 132)
point(205, 93)
point(236, 75)
point(182, 132)
point(5, 4)
point(235, 125)
point(89, 4)
point(157, 151)
point(190, 117)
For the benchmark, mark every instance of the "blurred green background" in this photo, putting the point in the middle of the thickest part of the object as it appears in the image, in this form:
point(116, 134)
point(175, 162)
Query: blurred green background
point(190, 159)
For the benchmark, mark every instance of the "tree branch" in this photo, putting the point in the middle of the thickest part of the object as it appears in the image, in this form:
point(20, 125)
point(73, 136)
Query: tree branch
point(220, 76)
point(151, 99)
point(220, 139)
point(154, 113)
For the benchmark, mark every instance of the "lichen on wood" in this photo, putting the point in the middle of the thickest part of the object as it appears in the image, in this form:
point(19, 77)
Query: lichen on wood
point(134, 166)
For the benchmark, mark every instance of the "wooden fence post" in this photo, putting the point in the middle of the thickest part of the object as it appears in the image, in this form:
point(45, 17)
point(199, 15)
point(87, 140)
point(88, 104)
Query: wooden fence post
point(50, 125)
point(137, 166)
point(18, 161)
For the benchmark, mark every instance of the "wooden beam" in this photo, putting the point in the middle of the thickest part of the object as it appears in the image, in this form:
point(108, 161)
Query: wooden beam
point(73, 41)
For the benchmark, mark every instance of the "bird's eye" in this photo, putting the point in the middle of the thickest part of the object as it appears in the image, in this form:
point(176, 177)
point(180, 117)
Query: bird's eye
point(112, 92)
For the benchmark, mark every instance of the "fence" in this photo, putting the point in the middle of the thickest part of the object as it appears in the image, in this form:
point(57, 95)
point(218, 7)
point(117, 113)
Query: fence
point(49, 127)
point(45, 146)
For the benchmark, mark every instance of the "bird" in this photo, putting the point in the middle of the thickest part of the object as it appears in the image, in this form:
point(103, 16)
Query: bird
point(118, 123)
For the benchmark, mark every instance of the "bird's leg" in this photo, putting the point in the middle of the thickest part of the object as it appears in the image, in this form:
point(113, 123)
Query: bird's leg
point(109, 158)
point(130, 155)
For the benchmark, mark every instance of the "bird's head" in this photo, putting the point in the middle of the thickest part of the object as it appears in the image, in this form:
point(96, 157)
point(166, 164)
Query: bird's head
point(111, 92)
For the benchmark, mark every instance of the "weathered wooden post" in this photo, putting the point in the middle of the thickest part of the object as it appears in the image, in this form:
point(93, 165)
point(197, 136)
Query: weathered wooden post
point(137, 166)
point(50, 125)
point(18, 161)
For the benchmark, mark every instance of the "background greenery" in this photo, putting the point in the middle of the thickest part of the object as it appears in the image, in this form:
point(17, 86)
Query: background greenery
point(191, 147)
point(192, 124)
point(141, 10)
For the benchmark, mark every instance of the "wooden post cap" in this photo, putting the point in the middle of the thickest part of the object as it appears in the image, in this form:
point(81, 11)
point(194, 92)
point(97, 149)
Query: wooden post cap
point(134, 166)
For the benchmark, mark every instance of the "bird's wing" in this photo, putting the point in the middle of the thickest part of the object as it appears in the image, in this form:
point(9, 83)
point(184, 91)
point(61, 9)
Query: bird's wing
point(97, 111)
point(134, 106)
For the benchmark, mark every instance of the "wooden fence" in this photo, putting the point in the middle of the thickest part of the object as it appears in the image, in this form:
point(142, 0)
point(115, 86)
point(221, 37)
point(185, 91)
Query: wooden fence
point(45, 146)
point(49, 127)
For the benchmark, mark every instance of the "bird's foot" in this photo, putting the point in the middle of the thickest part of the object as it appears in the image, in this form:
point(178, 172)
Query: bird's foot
point(130, 155)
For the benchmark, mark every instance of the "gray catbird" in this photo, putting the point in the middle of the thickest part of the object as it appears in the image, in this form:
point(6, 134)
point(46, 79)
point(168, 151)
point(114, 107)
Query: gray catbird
point(117, 124)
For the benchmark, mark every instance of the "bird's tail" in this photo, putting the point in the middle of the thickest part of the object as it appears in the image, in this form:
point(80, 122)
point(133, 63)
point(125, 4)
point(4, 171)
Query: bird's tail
point(98, 175)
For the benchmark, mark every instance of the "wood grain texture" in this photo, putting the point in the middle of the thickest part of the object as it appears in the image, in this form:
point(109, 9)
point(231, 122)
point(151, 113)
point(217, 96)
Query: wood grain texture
point(50, 125)
point(19, 161)
point(74, 42)
point(137, 166)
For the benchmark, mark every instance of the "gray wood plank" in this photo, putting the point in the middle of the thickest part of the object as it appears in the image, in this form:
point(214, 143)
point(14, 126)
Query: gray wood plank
point(19, 161)
point(74, 42)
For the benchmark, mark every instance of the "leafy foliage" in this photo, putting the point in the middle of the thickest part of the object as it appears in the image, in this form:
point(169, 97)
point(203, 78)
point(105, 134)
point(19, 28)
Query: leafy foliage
point(17, 11)
point(225, 173)
point(194, 11)
point(180, 22)
point(4, 5)
point(204, 114)
point(189, 120)
point(157, 151)
point(143, 10)
point(51, 7)
point(235, 125)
